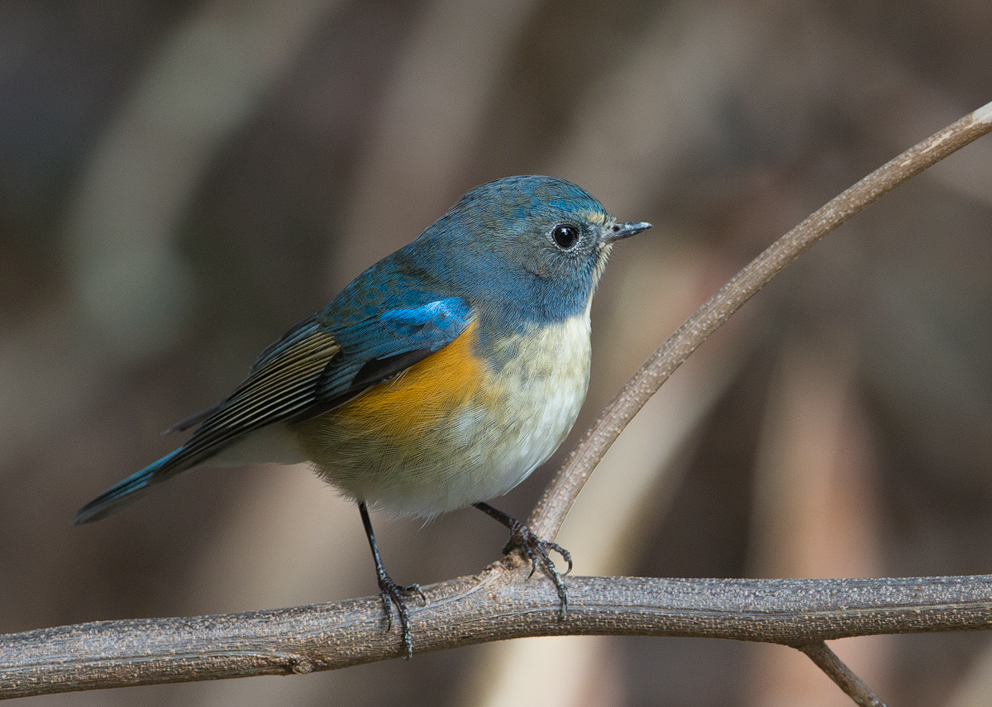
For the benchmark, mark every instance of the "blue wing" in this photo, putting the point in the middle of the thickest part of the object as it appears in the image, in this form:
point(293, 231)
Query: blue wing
point(313, 369)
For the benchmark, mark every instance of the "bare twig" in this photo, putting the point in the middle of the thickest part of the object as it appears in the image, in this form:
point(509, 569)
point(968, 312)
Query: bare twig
point(549, 513)
point(494, 605)
point(834, 667)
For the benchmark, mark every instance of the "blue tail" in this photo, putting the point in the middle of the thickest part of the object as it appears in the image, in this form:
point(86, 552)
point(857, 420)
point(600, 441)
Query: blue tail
point(131, 489)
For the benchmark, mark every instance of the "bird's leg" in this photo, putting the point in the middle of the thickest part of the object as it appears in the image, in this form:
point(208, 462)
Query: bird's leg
point(390, 591)
point(535, 549)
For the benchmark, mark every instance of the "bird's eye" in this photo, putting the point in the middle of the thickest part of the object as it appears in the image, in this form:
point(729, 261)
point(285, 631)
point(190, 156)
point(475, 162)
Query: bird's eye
point(565, 235)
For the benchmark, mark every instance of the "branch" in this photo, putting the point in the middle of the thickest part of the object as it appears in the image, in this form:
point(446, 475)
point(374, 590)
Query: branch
point(549, 513)
point(494, 605)
point(853, 686)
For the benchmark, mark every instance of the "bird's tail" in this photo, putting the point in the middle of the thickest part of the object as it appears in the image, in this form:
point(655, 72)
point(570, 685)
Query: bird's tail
point(132, 488)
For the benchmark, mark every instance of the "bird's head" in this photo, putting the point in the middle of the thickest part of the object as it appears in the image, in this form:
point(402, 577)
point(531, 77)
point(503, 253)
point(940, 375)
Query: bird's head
point(535, 243)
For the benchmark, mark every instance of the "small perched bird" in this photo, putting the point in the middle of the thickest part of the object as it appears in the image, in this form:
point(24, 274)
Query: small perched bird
point(441, 377)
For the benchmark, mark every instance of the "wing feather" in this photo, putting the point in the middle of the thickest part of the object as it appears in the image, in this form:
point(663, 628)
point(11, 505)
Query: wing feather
point(315, 368)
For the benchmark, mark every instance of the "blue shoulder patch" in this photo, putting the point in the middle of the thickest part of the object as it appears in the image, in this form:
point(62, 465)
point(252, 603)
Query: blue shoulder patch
point(429, 326)
point(430, 323)
point(394, 338)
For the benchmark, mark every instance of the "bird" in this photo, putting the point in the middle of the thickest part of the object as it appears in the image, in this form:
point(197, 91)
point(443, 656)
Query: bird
point(438, 379)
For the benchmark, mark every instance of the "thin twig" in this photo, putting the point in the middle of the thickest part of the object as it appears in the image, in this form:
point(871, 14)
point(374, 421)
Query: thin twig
point(495, 605)
point(549, 513)
point(834, 667)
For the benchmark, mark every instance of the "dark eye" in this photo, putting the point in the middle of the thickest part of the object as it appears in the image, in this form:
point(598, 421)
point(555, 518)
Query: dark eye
point(565, 235)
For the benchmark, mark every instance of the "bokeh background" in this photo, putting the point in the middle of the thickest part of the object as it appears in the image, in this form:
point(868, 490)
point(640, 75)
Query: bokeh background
point(180, 182)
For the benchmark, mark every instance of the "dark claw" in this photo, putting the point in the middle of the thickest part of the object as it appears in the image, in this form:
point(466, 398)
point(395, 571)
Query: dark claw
point(391, 592)
point(535, 549)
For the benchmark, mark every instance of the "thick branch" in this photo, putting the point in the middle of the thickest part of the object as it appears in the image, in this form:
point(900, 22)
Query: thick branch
point(549, 514)
point(496, 605)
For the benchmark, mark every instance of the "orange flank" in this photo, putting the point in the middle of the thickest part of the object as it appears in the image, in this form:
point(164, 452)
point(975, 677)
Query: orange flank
point(414, 402)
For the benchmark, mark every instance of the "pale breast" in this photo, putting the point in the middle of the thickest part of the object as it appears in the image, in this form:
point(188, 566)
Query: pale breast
point(544, 386)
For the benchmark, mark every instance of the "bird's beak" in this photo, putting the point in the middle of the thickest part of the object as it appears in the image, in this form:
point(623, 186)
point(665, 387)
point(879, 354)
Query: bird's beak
point(619, 231)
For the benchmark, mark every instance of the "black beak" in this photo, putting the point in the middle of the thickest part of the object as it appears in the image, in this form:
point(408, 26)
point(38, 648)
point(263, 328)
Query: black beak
point(619, 231)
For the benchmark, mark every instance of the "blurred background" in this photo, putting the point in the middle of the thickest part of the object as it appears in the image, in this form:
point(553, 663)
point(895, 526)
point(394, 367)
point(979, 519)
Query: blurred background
point(181, 182)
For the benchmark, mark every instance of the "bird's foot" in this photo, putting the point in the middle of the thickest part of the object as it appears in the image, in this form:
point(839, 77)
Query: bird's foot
point(393, 594)
point(535, 549)
point(538, 551)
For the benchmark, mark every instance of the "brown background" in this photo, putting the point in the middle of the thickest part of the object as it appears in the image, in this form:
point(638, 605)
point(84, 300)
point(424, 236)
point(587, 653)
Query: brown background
point(180, 182)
